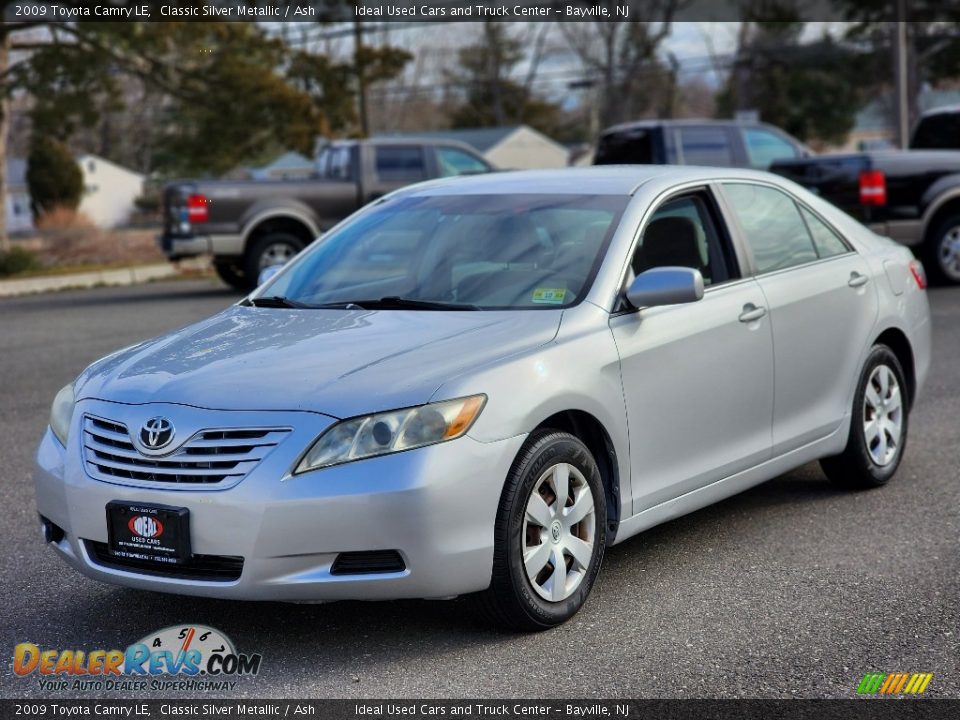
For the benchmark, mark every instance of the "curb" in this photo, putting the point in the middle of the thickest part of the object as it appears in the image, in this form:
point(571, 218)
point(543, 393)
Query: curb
point(121, 276)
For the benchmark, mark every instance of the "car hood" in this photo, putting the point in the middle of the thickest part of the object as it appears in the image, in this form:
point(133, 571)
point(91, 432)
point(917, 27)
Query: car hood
point(337, 362)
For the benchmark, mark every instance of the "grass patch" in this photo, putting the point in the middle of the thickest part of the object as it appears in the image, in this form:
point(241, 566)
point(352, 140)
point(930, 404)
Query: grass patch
point(18, 261)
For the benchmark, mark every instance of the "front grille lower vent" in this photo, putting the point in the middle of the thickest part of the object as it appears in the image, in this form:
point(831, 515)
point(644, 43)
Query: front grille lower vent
point(368, 562)
point(210, 457)
point(208, 568)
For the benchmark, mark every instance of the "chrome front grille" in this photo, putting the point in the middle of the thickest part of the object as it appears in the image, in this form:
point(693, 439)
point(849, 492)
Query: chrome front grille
point(209, 457)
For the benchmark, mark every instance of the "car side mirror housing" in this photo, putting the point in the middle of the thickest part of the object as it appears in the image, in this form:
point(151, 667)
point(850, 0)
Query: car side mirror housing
point(665, 286)
point(267, 273)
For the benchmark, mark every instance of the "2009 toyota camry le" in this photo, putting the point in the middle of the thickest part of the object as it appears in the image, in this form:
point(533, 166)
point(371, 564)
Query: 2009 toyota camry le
point(476, 385)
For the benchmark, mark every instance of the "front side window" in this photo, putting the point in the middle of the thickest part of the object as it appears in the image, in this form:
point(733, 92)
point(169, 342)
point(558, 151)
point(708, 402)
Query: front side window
point(682, 233)
point(486, 251)
point(706, 146)
point(772, 226)
point(400, 164)
point(765, 147)
point(457, 162)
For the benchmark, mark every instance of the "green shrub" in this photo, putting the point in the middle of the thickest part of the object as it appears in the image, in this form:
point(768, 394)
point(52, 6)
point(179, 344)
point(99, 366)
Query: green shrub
point(53, 176)
point(17, 260)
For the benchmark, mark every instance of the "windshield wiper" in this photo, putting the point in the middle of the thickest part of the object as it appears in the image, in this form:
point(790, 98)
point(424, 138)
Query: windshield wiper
point(395, 302)
point(276, 301)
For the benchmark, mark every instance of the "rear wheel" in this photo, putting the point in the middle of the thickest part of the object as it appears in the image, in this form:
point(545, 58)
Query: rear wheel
point(878, 427)
point(549, 536)
point(275, 248)
point(941, 252)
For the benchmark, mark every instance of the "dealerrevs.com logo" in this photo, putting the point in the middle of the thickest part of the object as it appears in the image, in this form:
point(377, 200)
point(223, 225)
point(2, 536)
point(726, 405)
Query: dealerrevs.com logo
point(898, 683)
point(179, 657)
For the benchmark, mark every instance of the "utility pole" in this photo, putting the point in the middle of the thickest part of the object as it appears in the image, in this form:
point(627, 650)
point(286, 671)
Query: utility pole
point(900, 73)
point(361, 70)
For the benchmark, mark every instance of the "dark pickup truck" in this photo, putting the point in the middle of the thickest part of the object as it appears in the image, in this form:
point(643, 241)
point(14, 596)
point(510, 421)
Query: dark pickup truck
point(912, 196)
point(249, 225)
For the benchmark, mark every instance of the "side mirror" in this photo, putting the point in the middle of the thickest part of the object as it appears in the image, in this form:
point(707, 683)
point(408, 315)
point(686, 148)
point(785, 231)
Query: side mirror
point(267, 273)
point(665, 286)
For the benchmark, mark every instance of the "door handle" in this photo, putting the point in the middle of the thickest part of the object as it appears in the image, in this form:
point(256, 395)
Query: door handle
point(857, 280)
point(752, 312)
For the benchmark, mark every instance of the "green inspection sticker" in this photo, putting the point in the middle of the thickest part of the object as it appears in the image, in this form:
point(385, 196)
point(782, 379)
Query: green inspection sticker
point(549, 296)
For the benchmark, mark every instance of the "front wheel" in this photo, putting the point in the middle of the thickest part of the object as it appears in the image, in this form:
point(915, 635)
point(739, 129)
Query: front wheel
point(941, 252)
point(275, 248)
point(878, 426)
point(549, 536)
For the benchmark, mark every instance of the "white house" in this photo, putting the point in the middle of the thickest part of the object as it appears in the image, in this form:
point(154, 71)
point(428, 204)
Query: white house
point(19, 218)
point(108, 191)
point(512, 148)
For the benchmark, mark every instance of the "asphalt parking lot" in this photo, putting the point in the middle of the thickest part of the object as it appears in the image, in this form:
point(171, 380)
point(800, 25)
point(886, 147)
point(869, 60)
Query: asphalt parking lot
point(792, 589)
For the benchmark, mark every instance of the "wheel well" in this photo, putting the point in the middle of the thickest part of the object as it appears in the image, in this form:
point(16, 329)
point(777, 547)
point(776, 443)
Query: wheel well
point(591, 433)
point(898, 343)
point(951, 207)
point(282, 224)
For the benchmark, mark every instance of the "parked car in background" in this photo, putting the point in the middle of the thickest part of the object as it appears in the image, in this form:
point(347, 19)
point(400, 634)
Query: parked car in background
point(476, 386)
point(718, 143)
point(249, 225)
point(911, 196)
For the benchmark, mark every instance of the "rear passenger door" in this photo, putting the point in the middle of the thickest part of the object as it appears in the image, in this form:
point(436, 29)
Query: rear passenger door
point(823, 305)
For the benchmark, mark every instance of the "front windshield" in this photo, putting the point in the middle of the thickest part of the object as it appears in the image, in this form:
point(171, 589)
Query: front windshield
point(479, 251)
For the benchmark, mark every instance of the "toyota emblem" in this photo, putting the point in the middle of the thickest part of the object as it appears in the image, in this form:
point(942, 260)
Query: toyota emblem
point(156, 433)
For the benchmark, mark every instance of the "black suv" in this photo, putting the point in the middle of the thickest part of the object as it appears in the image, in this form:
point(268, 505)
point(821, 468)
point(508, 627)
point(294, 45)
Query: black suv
point(720, 143)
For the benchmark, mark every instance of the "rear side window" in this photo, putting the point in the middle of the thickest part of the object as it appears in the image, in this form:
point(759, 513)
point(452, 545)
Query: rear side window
point(705, 146)
point(765, 147)
point(403, 164)
point(939, 131)
point(630, 147)
point(827, 242)
point(772, 226)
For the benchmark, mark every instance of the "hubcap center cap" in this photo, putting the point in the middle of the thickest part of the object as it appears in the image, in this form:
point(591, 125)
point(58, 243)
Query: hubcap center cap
point(556, 531)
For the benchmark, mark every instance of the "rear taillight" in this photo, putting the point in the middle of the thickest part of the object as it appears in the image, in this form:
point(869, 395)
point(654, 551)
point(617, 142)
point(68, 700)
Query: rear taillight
point(873, 188)
point(919, 275)
point(197, 210)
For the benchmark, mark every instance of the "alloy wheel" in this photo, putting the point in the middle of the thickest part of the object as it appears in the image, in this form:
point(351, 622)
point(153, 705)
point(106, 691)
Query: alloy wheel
point(559, 532)
point(883, 415)
point(276, 254)
point(948, 254)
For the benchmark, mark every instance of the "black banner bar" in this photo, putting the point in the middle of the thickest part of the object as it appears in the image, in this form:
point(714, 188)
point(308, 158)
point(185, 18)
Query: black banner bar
point(854, 709)
point(381, 11)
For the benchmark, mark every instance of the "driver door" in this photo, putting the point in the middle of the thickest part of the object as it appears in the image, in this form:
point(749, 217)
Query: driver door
point(697, 378)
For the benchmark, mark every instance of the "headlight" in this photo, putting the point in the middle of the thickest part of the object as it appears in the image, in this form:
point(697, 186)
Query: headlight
point(61, 413)
point(390, 432)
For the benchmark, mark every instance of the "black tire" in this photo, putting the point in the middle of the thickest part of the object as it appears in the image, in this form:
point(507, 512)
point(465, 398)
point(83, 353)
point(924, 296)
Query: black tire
point(233, 276)
point(932, 252)
point(511, 600)
point(856, 468)
point(261, 246)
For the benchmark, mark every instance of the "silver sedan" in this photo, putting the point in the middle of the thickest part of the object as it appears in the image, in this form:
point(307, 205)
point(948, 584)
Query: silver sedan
point(477, 385)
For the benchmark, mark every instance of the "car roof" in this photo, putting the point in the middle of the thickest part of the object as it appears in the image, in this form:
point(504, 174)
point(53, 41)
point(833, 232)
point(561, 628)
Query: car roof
point(683, 122)
point(595, 180)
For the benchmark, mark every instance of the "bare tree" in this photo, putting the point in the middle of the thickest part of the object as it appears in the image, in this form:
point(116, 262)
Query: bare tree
point(621, 57)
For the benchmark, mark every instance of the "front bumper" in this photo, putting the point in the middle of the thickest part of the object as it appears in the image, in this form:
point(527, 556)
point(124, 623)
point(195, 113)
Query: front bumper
point(436, 506)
